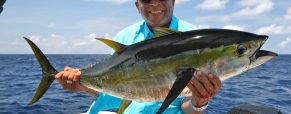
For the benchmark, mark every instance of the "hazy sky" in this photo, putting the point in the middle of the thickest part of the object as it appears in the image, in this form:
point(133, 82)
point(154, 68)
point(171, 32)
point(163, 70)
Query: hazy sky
point(70, 26)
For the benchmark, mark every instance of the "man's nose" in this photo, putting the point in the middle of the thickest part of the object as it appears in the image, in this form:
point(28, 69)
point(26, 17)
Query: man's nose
point(155, 2)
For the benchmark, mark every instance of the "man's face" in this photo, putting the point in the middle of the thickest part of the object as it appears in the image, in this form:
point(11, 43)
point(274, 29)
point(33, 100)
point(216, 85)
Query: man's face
point(157, 13)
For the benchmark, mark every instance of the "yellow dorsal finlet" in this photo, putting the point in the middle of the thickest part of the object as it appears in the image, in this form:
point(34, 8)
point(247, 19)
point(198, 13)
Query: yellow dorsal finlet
point(161, 31)
point(114, 45)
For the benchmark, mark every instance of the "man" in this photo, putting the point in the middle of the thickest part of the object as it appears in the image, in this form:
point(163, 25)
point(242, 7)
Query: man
point(156, 13)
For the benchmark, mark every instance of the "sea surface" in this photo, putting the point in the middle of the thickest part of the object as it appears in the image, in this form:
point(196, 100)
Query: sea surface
point(269, 84)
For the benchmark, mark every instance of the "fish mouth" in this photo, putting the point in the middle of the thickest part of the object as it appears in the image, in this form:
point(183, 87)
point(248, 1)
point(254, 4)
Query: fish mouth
point(261, 57)
point(258, 53)
point(262, 53)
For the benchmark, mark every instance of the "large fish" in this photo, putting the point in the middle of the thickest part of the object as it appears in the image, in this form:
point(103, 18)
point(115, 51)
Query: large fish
point(160, 68)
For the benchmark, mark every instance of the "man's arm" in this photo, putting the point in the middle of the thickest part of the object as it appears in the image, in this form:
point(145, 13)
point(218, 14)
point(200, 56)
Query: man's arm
point(203, 88)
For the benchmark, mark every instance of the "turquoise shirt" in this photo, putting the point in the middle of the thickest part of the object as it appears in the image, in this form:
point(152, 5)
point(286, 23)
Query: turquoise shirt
point(130, 35)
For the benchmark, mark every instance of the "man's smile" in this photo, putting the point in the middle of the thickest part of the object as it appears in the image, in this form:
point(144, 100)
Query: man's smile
point(156, 12)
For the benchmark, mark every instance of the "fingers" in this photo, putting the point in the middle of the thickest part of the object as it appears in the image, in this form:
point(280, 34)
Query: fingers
point(215, 82)
point(67, 68)
point(71, 74)
point(194, 90)
point(59, 75)
point(199, 87)
point(69, 79)
point(74, 75)
point(205, 82)
point(204, 86)
point(77, 77)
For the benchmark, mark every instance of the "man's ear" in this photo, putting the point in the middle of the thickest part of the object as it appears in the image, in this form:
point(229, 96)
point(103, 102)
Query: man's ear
point(137, 5)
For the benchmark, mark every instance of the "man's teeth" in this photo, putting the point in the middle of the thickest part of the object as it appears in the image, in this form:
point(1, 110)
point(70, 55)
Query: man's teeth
point(160, 11)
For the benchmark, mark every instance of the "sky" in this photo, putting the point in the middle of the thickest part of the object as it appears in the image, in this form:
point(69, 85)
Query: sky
point(70, 26)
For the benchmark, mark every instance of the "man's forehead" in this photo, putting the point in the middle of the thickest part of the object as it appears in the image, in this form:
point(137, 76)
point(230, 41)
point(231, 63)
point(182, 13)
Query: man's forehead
point(138, 0)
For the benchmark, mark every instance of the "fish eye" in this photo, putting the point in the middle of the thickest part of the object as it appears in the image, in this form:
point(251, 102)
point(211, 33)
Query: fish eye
point(241, 50)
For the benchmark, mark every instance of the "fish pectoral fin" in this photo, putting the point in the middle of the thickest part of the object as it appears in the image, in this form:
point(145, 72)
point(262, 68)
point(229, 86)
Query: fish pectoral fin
point(161, 31)
point(117, 47)
point(184, 75)
point(124, 104)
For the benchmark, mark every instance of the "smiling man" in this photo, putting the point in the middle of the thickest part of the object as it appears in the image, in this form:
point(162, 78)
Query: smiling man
point(156, 13)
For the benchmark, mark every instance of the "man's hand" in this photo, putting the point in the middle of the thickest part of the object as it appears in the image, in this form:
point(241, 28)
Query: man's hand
point(203, 88)
point(70, 79)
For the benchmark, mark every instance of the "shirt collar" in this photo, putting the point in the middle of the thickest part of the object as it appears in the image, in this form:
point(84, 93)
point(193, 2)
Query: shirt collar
point(149, 34)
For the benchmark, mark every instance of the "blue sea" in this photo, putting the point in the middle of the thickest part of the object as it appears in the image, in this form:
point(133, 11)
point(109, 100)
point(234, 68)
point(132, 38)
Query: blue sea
point(269, 84)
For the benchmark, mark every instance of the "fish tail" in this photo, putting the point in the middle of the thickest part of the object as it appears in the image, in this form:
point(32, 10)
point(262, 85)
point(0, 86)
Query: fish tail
point(48, 72)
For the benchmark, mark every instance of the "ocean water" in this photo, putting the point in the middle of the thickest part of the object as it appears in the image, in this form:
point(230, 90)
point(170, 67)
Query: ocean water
point(269, 84)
